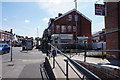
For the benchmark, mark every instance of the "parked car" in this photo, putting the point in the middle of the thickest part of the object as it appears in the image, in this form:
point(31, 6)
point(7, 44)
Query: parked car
point(4, 48)
point(17, 44)
point(0, 52)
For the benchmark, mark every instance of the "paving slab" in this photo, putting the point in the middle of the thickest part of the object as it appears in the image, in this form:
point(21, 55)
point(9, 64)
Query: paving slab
point(58, 73)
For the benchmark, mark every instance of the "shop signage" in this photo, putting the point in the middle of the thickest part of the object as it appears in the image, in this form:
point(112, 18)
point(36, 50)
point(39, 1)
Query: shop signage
point(100, 9)
point(69, 28)
point(57, 28)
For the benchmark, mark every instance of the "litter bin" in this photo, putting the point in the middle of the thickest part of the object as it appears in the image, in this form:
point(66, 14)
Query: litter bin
point(23, 48)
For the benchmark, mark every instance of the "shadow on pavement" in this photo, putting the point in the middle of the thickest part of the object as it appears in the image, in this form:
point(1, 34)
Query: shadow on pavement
point(48, 70)
point(114, 62)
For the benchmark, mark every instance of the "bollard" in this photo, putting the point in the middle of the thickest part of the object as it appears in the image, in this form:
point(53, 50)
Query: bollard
point(85, 51)
point(54, 54)
point(66, 69)
point(102, 52)
point(53, 62)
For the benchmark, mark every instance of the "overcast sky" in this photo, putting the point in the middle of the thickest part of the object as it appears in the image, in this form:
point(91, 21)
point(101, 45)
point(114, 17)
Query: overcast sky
point(26, 16)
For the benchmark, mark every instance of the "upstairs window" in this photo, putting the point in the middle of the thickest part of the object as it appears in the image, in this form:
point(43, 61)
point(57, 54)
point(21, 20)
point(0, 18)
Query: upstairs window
point(69, 17)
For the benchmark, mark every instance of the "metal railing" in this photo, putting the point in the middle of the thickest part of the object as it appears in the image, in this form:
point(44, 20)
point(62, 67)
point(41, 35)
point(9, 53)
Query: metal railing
point(102, 50)
point(85, 45)
point(85, 72)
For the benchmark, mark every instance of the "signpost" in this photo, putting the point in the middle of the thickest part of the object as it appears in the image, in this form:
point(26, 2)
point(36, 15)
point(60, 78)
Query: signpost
point(11, 42)
point(100, 9)
point(76, 19)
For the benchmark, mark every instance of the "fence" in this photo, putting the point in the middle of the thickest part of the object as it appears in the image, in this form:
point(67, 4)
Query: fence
point(84, 47)
point(89, 75)
point(80, 68)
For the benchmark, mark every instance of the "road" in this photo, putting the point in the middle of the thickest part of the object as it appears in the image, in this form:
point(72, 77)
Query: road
point(24, 65)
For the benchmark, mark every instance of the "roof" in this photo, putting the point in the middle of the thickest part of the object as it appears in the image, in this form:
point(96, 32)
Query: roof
point(96, 33)
point(72, 11)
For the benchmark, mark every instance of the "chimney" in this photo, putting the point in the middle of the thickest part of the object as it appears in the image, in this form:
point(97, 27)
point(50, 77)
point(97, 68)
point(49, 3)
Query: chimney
point(59, 14)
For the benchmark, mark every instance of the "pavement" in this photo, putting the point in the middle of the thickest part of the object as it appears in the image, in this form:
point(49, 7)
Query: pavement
point(29, 64)
point(98, 61)
point(80, 57)
point(58, 73)
point(24, 64)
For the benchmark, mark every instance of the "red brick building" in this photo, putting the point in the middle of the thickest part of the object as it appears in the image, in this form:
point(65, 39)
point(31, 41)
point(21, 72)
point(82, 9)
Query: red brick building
point(4, 36)
point(63, 28)
point(112, 21)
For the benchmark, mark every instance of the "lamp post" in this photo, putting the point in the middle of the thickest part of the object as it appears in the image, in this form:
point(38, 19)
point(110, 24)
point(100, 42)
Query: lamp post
point(76, 19)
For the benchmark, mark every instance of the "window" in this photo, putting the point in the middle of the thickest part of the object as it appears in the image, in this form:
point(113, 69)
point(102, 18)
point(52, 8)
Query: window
point(63, 30)
point(56, 40)
point(74, 28)
point(6, 36)
point(57, 28)
point(70, 16)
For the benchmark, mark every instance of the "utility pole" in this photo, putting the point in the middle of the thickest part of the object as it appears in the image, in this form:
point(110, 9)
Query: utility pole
point(76, 19)
point(11, 42)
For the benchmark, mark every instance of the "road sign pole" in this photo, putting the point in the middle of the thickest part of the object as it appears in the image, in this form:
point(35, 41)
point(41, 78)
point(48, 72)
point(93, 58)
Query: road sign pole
point(76, 19)
point(11, 43)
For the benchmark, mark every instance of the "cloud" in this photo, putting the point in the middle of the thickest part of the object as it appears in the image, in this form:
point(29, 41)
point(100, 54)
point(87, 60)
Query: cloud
point(53, 7)
point(6, 27)
point(5, 19)
point(27, 21)
point(46, 20)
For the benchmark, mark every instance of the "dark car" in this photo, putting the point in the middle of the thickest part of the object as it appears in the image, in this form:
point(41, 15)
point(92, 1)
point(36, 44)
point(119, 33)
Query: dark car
point(4, 48)
point(17, 44)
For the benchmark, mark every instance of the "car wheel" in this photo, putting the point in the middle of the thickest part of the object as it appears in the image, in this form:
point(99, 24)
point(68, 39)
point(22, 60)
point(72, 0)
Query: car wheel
point(3, 52)
point(8, 51)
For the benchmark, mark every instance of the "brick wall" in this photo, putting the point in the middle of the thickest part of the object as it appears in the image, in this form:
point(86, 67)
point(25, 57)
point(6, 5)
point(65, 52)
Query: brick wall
point(103, 72)
point(112, 40)
point(83, 25)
